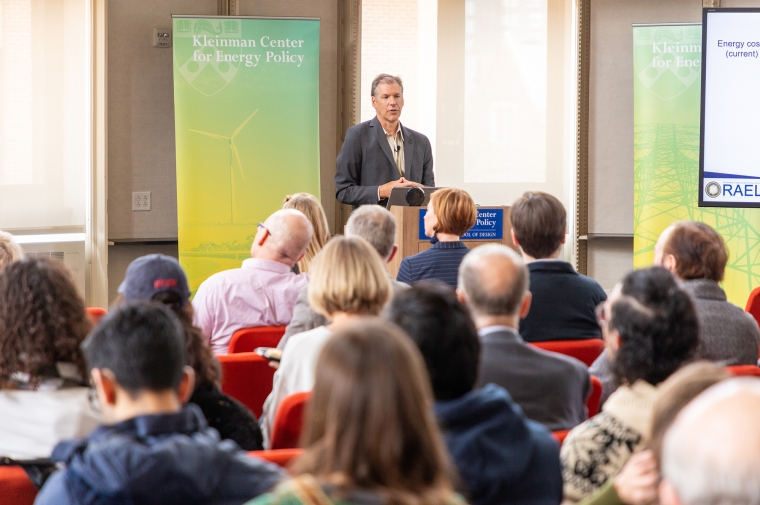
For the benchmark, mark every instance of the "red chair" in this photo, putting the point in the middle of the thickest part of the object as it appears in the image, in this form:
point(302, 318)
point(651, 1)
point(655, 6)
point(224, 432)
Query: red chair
point(753, 304)
point(247, 377)
point(248, 339)
point(286, 432)
point(745, 370)
point(584, 350)
point(15, 486)
point(281, 457)
point(96, 314)
point(595, 397)
point(560, 436)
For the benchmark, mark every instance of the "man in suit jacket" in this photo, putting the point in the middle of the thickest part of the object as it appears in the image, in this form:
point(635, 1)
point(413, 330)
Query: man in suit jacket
point(381, 154)
point(551, 388)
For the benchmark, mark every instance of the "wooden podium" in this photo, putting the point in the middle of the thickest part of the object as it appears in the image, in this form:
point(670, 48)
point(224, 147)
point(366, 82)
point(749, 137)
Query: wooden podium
point(411, 240)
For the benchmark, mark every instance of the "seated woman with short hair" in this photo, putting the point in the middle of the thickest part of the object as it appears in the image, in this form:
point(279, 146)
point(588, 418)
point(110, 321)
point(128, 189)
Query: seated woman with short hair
point(450, 213)
point(44, 393)
point(370, 436)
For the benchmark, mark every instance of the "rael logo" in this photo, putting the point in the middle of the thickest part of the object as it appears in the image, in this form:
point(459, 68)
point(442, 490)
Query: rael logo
point(196, 44)
point(667, 60)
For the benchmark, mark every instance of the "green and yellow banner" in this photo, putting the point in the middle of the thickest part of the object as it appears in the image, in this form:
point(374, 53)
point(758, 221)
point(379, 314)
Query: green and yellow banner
point(246, 106)
point(666, 100)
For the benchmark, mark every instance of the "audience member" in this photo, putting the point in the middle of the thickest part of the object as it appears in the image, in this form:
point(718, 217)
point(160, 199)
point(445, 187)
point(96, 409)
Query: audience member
point(348, 281)
point(261, 293)
point(161, 279)
point(650, 330)
point(44, 394)
point(370, 436)
point(636, 484)
point(377, 226)
point(696, 254)
point(503, 457)
point(551, 388)
point(710, 454)
point(563, 301)
point(151, 449)
point(450, 213)
point(310, 207)
point(9, 249)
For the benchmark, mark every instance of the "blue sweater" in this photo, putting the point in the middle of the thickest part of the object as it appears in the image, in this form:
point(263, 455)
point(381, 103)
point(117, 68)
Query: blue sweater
point(502, 457)
point(440, 262)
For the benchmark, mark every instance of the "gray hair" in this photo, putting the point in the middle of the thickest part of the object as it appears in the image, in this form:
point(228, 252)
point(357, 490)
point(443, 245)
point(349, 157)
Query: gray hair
point(386, 79)
point(717, 465)
point(9, 249)
point(290, 232)
point(491, 285)
point(375, 225)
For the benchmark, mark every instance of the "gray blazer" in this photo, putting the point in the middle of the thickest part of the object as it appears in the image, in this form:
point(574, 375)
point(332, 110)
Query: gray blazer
point(305, 318)
point(550, 388)
point(365, 162)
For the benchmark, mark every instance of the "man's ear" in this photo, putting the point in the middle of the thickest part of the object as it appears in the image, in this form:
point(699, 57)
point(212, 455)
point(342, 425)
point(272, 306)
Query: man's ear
point(667, 493)
point(374, 102)
point(525, 307)
point(394, 250)
point(186, 385)
point(105, 385)
point(670, 262)
point(564, 235)
point(460, 296)
point(514, 237)
point(264, 237)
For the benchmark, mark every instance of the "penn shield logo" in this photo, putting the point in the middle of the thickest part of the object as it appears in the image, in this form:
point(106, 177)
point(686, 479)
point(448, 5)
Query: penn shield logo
point(712, 189)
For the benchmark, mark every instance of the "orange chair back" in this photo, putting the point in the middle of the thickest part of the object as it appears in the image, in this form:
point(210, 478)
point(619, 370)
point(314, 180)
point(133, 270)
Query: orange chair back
point(286, 432)
point(281, 457)
point(247, 377)
point(248, 339)
point(96, 314)
point(560, 436)
point(584, 350)
point(595, 397)
point(747, 370)
point(15, 486)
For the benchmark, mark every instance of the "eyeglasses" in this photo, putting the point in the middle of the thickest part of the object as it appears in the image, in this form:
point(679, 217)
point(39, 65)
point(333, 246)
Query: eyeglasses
point(261, 225)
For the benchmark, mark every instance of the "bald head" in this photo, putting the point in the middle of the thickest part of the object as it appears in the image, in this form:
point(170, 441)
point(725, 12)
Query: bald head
point(285, 238)
point(711, 453)
point(493, 280)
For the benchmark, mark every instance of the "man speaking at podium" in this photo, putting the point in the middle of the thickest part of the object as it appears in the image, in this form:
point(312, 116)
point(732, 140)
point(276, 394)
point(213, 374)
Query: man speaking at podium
point(381, 154)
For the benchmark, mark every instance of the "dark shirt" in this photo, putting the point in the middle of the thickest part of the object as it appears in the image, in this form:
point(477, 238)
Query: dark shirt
point(563, 304)
point(440, 262)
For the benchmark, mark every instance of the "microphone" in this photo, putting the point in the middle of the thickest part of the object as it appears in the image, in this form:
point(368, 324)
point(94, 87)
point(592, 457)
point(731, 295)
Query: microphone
point(398, 148)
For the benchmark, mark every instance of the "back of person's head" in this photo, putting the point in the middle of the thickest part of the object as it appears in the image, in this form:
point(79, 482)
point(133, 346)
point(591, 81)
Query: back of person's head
point(375, 225)
point(711, 453)
point(9, 249)
point(656, 324)
point(142, 344)
point(698, 250)
point(161, 279)
point(539, 221)
point(445, 334)
point(289, 233)
point(676, 392)
point(494, 280)
point(42, 320)
point(310, 207)
point(455, 210)
point(369, 422)
point(349, 276)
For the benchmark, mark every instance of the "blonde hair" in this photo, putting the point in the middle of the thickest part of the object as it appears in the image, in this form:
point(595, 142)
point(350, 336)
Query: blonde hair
point(349, 276)
point(312, 209)
point(10, 251)
point(455, 210)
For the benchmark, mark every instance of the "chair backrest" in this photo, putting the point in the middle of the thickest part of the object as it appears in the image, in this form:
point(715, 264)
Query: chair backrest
point(247, 377)
point(15, 486)
point(286, 432)
point(560, 436)
point(281, 457)
point(750, 370)
point(96, 314)
point(753, 304)
point(248, 339)
point(595, 397)
point(584, 350)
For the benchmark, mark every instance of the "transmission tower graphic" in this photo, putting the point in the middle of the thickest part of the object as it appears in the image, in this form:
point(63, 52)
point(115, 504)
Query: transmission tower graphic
point(666, 185)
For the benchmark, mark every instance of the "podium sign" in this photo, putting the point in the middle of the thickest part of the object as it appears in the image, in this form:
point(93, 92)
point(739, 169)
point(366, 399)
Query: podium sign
point(488, 226)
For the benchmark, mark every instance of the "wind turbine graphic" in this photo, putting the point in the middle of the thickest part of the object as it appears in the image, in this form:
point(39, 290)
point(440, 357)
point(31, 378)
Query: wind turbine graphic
point(233, 151)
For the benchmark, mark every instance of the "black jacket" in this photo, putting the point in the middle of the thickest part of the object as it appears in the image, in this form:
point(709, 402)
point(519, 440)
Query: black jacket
point(228, 416)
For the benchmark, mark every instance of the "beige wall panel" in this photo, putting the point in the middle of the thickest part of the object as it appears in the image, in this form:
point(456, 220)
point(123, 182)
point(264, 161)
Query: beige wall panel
point(121, 255)
point(609, 260)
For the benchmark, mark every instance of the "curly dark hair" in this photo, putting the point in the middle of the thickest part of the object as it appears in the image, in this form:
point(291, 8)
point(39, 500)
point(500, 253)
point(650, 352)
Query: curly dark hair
point(42, 320)
point(657, 324)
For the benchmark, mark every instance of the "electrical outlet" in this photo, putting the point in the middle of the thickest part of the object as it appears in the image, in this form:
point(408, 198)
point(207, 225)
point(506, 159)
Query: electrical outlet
point(162, 37)
point(141, 200)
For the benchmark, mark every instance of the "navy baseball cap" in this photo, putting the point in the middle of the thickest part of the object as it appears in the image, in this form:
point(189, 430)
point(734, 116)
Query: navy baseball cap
point(155, 273)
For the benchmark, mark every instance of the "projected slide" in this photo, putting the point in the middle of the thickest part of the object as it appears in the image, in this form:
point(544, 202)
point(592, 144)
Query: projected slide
point(729, 163)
